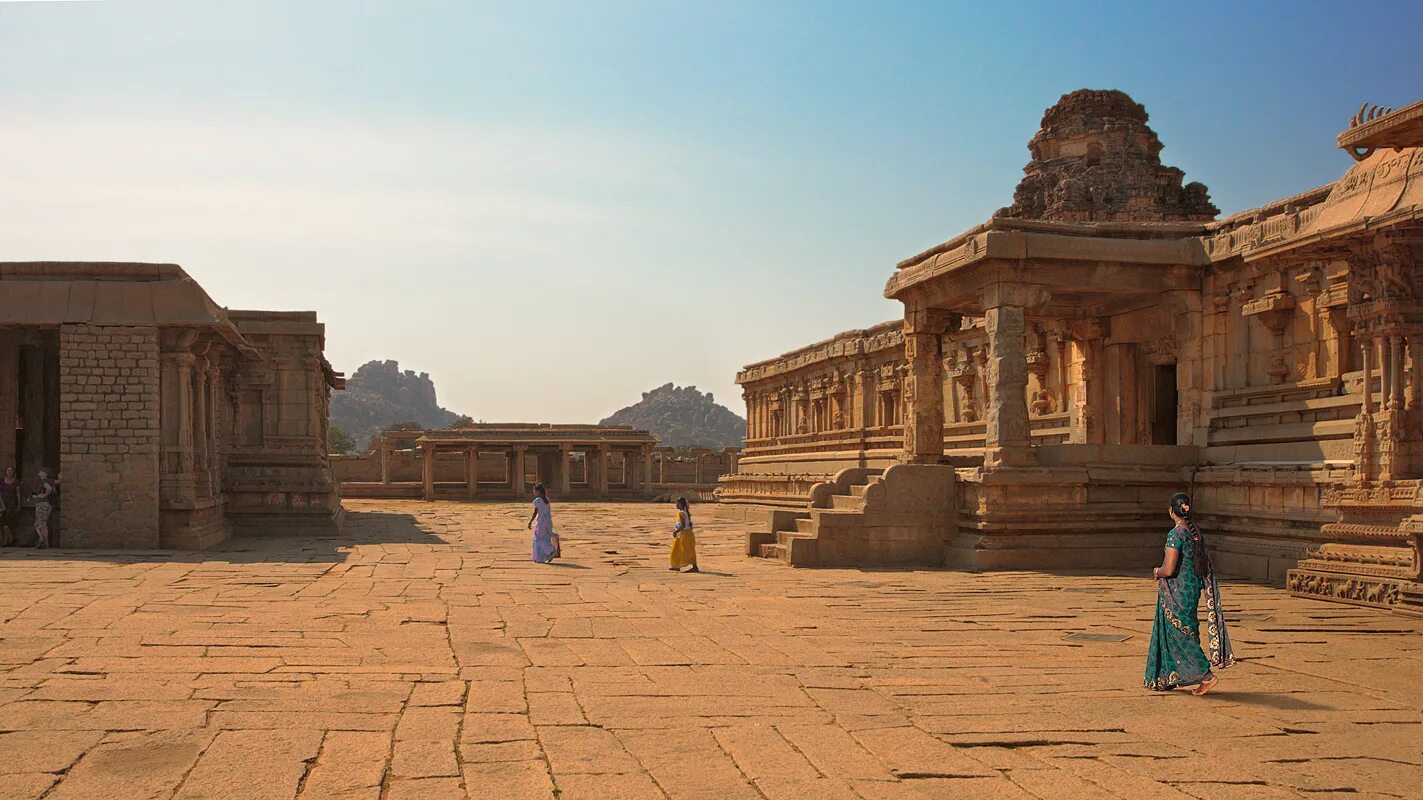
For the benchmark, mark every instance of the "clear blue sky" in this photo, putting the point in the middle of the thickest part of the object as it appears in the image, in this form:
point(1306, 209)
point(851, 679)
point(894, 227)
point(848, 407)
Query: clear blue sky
point(554, 207)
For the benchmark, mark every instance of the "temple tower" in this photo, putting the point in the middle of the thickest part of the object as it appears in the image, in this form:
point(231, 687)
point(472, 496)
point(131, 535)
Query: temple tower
point(1096, 160)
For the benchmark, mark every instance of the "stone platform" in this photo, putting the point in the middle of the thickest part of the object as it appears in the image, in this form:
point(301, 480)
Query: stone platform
point(420, 654)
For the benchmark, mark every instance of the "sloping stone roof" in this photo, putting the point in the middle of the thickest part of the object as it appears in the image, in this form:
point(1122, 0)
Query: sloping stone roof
point(108, 293)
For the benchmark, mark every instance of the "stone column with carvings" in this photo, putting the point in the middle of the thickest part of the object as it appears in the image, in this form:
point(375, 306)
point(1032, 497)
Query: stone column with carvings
point(200, 427)
point(565, 475)
point(217, 423)
point(1336, 335)
point(647, 469)
point(1365, 457)
point(1187, 348)
point(383, 447)
point(178, 482)
point(1006, 438)
point(1087, 400)
point(471, 471)
point(1415, 380)
point(520, 468)
point(427, 465)
point(924, 385)
point(601, 459)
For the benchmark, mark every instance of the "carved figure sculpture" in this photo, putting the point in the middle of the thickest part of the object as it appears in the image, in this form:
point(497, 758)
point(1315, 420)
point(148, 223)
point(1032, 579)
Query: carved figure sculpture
point(1043, 403)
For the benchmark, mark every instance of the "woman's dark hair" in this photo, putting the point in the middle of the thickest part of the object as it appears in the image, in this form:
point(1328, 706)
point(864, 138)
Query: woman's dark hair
point(540, 491)
point(1200, 556)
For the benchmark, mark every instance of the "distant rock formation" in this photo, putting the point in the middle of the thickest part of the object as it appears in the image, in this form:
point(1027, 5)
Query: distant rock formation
point(683, 417)
point(379, 394)
point(1096, 160)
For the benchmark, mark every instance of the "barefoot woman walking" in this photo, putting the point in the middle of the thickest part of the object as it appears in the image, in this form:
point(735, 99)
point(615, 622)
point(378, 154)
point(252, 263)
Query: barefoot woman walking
point(684, 541)
point(1176, 658)
point(545, 540)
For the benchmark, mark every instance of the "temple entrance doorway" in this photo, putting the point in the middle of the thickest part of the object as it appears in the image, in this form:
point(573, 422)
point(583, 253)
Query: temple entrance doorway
point(29, 413)
point(1163, 416)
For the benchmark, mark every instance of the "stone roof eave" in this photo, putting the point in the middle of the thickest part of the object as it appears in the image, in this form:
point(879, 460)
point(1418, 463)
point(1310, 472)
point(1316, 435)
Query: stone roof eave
point(1333, 239)
point(1026, 240)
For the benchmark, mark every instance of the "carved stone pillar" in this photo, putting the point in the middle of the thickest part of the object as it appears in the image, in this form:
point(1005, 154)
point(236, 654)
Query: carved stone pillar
point(471, 471)
point(1396, 399)
point(647, 469)
point(383, 447)
point(1365, 456)
point(601, 459)
point(565, 475)
point(1383, 345)
point(1415, 382)
point(862, 415)
point(924, 385)
point(216, 421)
point(200, 428)
point(520, 451)
point(427, 463)
point(1085, 411)
point(1335, 335)
point(1006, 438)
point(178, 482)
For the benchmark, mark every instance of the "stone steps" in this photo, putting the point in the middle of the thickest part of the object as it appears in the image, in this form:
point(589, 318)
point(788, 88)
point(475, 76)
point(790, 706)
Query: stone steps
point(776, 551)
point(776, 544)
point(859, 490)
point(783, 537)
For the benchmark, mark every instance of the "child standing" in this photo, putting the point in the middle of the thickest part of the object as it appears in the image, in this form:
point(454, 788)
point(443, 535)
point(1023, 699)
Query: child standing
point(684, 542)
point(42, 500)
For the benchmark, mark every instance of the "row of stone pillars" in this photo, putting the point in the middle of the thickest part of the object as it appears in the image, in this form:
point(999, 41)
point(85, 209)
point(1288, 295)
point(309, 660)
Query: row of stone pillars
point(1386, 446)
point(595, 459)
point(1006, 415)
point(191, 387)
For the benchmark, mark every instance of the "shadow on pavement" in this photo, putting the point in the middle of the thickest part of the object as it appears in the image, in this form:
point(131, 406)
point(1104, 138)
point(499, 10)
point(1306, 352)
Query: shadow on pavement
point(360, 528)
point(1288, 702)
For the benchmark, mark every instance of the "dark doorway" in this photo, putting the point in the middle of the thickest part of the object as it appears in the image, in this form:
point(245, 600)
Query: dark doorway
point(1163, 416)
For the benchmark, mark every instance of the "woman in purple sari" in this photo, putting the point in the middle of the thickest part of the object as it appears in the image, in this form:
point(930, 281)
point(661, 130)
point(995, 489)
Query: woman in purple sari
point(545, 540)
point(1185, 574)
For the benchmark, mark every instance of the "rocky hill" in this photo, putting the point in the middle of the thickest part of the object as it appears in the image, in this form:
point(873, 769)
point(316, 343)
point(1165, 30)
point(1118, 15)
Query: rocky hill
point(682, 417)
point(379, 394)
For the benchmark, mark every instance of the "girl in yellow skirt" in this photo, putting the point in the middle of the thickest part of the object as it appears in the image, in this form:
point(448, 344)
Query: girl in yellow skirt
point(684, 545)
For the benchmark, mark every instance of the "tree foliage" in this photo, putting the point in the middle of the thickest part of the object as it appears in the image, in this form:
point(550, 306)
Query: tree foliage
point(338, 441)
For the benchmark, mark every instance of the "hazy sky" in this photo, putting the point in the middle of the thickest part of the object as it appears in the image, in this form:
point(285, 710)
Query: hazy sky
point(554, 207)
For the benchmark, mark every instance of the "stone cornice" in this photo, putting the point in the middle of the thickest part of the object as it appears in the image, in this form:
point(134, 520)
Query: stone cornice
point(884, 336)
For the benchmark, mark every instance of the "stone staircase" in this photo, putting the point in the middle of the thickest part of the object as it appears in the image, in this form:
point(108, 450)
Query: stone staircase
point(865, 517)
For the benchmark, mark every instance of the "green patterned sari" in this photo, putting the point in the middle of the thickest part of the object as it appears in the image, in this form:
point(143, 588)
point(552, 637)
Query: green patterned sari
point(1176, 657)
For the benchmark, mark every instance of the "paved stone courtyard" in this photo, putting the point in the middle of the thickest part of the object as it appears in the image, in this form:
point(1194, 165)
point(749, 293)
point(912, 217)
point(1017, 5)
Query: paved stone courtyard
point(422, 655)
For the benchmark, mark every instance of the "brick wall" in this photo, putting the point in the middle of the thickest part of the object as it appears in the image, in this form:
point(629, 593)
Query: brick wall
point(109, 435)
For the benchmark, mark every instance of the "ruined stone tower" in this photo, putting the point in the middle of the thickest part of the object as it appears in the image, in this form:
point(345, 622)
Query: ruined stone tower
point(1096, 160)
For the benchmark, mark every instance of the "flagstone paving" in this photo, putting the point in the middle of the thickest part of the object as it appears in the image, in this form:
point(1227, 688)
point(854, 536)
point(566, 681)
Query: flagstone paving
point(422, 655)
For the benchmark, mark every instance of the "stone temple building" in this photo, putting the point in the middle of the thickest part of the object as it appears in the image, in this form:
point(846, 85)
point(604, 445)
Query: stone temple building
point(1104, 341)
point(504, 461)
point(176, 423)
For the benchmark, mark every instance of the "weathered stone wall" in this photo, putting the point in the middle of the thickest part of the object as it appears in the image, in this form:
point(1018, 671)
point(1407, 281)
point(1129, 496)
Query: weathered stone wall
point(277, 475)
point(109, 437)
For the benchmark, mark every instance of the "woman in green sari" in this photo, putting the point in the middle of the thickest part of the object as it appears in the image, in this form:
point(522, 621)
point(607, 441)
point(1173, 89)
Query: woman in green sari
point(1185, 574)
